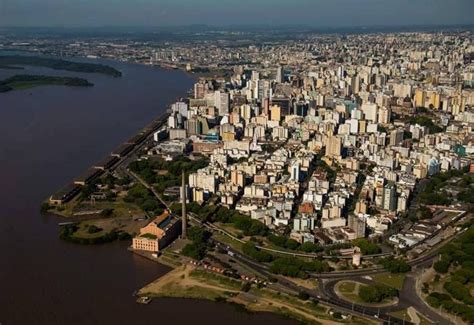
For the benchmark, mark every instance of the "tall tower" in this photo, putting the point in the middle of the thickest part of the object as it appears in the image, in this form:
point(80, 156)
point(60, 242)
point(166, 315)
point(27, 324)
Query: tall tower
point(184, 222)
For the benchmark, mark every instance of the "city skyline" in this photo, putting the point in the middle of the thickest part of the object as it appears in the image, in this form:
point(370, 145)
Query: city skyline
point(157, 13)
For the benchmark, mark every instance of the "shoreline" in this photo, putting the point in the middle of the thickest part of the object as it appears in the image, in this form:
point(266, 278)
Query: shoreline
point(192, 282)
point(161, 65)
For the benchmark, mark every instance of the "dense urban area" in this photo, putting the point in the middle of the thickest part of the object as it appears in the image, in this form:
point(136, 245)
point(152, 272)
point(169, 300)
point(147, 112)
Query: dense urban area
point(326, 177)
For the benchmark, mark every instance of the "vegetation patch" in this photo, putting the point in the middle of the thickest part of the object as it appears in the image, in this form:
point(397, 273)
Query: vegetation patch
point(457, 267)
point(71, 233)
point(395, 265)
point(200, 243)
point(392, 280)
point(31, 81)
point(57, 64)
point(297, 268)
point(377, 293)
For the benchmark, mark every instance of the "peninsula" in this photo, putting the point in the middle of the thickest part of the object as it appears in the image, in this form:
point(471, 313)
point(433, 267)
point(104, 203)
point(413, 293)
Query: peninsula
point(31, 81)
point(12, 61)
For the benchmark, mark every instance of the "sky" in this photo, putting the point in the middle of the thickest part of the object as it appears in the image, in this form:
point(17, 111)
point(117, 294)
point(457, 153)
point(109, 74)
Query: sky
point(318, 13)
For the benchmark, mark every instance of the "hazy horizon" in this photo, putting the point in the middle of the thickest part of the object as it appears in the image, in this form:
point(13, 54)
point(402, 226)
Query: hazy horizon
point(225, 13)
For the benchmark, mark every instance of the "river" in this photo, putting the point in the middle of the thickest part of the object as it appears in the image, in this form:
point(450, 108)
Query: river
point(48, 135)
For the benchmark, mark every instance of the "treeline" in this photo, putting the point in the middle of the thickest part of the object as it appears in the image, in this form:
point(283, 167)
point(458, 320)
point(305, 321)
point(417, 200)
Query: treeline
point(367, 247)
point(291, 244)
point(298, 268)
point(199, 243)
point(251, 250)
point(376, 293)
point(29, 81)
point(288, 266)
point(425, 121)
point(58, 64)
point(457, 261)
point(395, 265)
point(467, 194)
point(214, 213)
point(432, 192)
point(142, 197)
point(438, 299)
point(146, 169)
point(67, 233)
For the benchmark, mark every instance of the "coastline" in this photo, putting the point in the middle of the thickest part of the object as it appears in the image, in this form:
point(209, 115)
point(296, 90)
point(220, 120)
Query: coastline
point(285, 306)
point(191, 282)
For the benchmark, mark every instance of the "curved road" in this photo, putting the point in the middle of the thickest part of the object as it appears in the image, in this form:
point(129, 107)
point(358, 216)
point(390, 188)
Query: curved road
point(408, 296)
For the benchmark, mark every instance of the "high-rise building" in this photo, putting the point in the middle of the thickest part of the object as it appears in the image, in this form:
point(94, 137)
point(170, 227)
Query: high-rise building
point(389, 197)
point(370, 111)
point(333, 146)
point(222, 102)
point(255, 76)
point(279, 75)
point(358, 225)
point(200, 89)
point(275, 113)
point(355, 84)
point(384, 115)
point(396, 137)
point(295, 172)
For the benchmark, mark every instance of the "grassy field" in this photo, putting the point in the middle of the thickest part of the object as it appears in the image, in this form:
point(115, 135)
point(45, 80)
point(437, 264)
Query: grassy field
point(392, 280)
point(349, 290)
point(190, 282)
point(229, 241)
point(105, 225)
point(216, 279)
point(76, 207)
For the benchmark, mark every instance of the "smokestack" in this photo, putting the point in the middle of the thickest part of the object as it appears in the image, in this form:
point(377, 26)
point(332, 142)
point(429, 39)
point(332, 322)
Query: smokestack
point(184, 221)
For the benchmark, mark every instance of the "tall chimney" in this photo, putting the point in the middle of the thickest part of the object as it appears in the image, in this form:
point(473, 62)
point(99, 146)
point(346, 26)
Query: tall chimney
point(184, 221)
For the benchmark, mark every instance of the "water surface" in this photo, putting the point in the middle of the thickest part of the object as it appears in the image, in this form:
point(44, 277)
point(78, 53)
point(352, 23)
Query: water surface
point(49, 135)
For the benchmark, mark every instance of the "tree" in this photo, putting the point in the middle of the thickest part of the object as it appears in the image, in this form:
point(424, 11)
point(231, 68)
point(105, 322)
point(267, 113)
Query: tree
point(198, 235)
point(309, 247)
point(196, 251)
point(366, 247)
point(303, 295)
point(441, 266)
point(395, 265)
point(376, 293)
point(257, 254)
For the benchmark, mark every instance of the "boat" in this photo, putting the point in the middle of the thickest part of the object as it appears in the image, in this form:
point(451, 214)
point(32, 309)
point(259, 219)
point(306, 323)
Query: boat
point(144, 300)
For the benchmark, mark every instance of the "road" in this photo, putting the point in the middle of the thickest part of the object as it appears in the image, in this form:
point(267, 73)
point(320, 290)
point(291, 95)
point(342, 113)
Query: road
point(327, 295)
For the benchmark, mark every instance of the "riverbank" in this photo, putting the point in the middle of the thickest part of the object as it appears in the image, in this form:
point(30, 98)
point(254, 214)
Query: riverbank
point(19, 82)
point(46, 140)
point(192, 282)
point(13, 61)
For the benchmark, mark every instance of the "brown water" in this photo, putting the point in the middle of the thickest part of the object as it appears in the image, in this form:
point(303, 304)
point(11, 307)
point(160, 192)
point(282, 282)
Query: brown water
point(48, 135)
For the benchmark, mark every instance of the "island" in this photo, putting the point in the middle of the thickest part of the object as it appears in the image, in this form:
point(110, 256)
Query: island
point(30, 81)
point(11, 61)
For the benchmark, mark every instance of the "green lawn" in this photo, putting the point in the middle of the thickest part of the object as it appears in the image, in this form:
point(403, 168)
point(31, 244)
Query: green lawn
point(392, 280)
point(229, 241)
point(216, 279)
point(347, 287)
point(349, 290)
